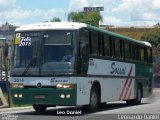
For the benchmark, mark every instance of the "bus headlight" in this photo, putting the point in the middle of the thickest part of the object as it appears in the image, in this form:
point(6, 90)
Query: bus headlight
point(62, 96)
point(68, 96)
point(15, 95)
point(17, 85)
point(20, 95)
point(65, 86)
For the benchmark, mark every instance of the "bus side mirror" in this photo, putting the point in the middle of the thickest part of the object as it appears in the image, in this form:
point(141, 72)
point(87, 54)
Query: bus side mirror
point(5, 50)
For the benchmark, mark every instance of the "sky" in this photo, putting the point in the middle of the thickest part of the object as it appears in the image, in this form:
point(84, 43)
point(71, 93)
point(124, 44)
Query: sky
point(116, 12)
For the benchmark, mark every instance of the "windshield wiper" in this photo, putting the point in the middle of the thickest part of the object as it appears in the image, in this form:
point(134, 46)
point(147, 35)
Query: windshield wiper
point(31, 63)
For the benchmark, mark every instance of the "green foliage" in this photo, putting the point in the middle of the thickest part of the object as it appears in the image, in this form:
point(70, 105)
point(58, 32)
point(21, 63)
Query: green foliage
point(76, 16)
point(91, 18)
point(153, 38)
point(56, 19)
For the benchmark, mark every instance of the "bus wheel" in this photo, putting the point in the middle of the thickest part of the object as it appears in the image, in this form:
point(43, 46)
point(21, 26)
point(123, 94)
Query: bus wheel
point(40, 108)
point(138, 96)
point(138, 99)
point(93, 99)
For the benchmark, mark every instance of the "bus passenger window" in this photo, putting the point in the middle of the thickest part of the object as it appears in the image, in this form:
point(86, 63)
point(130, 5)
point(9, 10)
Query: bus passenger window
point(137, 51)
point(149, 52)
point(127, 51)
point(84, 42)
point(84, 36)
point(94, 43)
point(117, 48)
point(133, 52)
point(106, 46)
point(122, 53)
point(142, 54)
point(145, 55)
point(113, 53)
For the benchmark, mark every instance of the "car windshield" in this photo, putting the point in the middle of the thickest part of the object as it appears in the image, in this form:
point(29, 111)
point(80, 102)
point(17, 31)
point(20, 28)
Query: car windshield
point(43, 53)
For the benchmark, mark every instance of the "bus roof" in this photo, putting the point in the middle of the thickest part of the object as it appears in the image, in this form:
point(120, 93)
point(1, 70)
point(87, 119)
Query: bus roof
point(51, 26)
point(2, 38)
point(72, 26)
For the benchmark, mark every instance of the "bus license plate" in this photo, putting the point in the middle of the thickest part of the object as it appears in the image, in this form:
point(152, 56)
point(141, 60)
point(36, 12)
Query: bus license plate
point(40, 96)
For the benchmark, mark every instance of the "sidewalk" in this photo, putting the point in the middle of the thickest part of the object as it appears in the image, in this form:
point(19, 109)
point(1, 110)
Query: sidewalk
point(156, 90)
point(5, 109)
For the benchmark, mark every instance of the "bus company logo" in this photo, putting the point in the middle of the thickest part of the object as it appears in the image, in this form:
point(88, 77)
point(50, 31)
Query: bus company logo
point(54, 80)
point(39, 85)
point(117, 70)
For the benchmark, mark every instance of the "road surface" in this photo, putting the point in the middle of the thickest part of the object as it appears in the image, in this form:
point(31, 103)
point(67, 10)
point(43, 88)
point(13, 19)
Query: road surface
point(150, 109)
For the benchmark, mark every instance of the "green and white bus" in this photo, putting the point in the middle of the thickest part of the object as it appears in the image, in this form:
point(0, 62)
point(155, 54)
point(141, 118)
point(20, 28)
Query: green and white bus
point(75, 64)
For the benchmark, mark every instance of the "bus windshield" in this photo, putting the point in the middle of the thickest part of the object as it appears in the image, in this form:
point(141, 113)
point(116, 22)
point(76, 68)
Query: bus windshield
point(43, 53)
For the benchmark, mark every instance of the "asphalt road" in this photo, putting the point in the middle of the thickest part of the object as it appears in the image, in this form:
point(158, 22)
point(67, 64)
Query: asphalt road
point(150, 109)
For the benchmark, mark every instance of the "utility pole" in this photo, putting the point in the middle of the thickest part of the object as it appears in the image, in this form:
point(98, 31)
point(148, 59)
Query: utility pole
point(5, 53)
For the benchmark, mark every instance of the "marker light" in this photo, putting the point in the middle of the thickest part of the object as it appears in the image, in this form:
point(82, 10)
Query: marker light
point(17, 85)
point(65, 85)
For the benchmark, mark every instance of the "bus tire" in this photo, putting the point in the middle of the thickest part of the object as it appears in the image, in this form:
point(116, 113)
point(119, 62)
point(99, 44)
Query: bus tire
point(93, 99)
point(138, 96)
point(138, 99)
point(40, 108)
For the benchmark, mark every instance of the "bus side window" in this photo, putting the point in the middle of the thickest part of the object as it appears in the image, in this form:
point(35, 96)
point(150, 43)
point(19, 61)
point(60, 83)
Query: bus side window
point(133, 52)
point(127, 51)
point(83, 41)
point(146, 55)
point(137, 53)
point(102, 46)
point(149, 52)
point(83, 50)
point(113, 53)
point(106, 45)
point(84, 35)
point(100, 40)
point(111, 46)
point(142, 54)
point(117, 48)
point(122, 53)
point(94, 43)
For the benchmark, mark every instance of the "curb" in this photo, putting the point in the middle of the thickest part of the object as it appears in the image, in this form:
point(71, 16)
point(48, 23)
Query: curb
point(156, 90)
point(4, 109)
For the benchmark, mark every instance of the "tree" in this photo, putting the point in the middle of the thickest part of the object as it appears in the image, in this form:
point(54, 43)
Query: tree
point(91, 18)
point(76, 16)
point(56, 19)
point(157, 25)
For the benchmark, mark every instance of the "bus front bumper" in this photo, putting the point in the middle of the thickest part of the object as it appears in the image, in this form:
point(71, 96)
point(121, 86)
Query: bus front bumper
point(47, 96)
